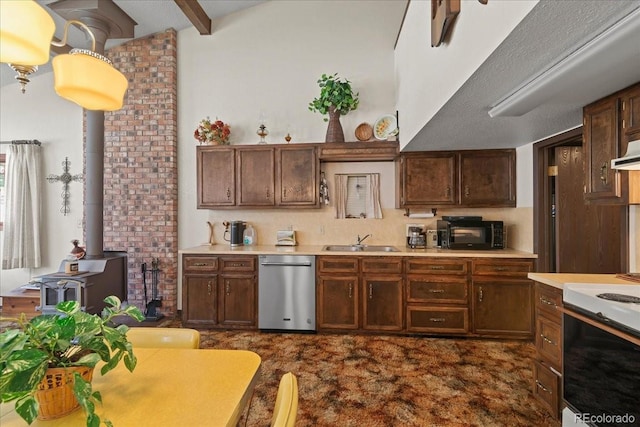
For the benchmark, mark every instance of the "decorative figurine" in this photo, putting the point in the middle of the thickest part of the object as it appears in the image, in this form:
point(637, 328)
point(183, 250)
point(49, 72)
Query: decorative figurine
point(262, 132)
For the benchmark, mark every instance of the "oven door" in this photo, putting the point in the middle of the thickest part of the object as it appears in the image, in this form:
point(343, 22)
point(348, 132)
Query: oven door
point(601, 372)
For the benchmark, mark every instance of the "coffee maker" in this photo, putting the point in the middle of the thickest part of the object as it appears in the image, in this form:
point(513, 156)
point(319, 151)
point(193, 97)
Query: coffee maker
point(234, 232)
point(416, 236)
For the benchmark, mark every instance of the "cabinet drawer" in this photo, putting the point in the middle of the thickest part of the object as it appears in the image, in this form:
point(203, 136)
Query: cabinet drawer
point(381, 265)
point(336, 264)
point(494, 267)
point(549, 342)
point(450, 290)
point(548, 301)
point(436, 266)
point(13, 306)
point(438, 319)
point(546, 388)
point(200, 263)
point(238, 264)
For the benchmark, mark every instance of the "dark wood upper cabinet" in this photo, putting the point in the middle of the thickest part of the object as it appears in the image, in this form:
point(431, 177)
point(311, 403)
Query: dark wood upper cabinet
point(609, 124)
point(428, 178)
point(216, 177)
point(297, 176)
point(255, 175)
point(487, 178)
point(474, 178)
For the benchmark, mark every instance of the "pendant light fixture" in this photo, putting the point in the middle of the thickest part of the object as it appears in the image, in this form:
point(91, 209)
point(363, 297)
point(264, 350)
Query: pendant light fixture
point(26, 30)
point(82, 76)
point(86, 77)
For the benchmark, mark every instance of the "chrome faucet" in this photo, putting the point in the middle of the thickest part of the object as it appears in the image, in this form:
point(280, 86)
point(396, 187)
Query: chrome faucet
point(362, 240)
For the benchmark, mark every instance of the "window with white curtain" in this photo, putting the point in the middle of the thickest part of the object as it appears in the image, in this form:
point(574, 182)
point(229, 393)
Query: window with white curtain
point(358, 196)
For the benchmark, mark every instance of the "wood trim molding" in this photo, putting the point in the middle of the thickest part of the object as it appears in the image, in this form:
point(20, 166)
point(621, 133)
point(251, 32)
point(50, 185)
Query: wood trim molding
point(197, 15)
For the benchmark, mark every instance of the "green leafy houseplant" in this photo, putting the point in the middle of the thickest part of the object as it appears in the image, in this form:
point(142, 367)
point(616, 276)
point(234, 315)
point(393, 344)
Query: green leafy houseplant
point(72, 338)
point(334, 92)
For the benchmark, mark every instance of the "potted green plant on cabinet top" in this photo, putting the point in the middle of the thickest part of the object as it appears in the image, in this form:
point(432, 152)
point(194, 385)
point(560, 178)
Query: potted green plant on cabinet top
point(62, 348)
point(336, 99)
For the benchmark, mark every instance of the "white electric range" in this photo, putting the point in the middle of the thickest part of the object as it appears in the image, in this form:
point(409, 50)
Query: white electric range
point(601, 378)
point(618, 303)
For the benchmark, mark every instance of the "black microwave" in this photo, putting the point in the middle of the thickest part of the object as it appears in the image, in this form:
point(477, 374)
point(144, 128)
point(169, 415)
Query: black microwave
point(470, 234)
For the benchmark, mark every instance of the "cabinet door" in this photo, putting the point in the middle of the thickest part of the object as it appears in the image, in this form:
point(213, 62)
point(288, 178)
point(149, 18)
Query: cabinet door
point(338, 302)
point(382, 303)
point(488, 178)
point(215, 177)
point(255, 175)
point(297, 176)
point(199, 300)
point(428, 179)
point(503, 307)
point(630, 117)
point(600, 142)
point(237, 300)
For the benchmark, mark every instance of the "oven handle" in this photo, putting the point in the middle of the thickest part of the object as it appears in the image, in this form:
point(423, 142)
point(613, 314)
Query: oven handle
point(600, 325)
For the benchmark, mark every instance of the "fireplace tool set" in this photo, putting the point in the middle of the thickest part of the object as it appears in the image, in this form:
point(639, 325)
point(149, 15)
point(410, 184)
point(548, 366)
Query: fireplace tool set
point(151, 312)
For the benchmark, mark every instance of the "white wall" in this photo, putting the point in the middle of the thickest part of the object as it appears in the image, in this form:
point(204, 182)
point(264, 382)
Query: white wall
point(41, 114)
point(427, 77)
point(266, 60)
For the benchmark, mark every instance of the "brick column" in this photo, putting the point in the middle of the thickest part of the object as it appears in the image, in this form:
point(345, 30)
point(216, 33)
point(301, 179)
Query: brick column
point(141, 166)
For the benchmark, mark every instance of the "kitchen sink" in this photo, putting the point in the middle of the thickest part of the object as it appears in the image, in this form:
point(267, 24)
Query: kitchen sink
point(359, 248)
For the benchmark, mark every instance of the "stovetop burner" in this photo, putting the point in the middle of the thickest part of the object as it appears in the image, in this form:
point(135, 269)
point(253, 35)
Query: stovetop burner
point(620, 298)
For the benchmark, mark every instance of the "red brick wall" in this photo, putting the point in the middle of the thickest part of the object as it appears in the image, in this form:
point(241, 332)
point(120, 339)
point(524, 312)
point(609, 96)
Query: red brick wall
point(141, 166)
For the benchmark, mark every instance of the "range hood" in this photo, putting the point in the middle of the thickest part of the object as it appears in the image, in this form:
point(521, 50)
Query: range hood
point(631, 160)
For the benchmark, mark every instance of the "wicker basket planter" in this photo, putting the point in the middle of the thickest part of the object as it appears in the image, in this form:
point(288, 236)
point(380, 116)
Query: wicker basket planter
point(55, 392)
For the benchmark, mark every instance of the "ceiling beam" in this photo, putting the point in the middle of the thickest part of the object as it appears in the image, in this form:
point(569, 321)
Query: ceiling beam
point(197, 15)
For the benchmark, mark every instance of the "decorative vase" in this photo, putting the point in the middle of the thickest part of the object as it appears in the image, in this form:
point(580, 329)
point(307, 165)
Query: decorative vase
point(55, 391)
point(77, 252)
point(334, 130)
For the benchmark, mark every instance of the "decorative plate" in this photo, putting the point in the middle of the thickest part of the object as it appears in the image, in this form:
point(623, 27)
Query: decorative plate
point(385, 127)
point(364, 132)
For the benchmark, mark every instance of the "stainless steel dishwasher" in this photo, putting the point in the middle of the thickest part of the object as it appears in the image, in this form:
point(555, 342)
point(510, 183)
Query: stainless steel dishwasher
point(287, 292)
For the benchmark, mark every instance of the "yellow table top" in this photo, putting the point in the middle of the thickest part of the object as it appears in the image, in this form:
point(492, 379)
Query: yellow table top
point(169, 387)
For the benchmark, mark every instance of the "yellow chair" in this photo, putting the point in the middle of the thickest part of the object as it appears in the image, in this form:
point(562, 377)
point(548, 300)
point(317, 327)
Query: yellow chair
point(142, 337)
point(286, 408)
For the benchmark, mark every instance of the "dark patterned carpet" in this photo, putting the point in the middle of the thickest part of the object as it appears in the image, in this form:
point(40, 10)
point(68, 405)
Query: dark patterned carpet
point(357, 380)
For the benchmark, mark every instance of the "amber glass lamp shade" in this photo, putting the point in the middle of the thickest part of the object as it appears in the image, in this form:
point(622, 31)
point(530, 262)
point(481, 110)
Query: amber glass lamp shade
point(89, 80)
point(26, 30)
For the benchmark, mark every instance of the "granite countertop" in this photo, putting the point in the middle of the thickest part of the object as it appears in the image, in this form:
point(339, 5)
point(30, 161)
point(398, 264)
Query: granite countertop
point(225, 249)
point(558, 280)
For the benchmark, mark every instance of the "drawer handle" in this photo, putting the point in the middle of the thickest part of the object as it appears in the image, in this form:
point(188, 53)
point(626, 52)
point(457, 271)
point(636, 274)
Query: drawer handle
point(436, 291)
point(546, 301)
point(502, 268)
point(350, 290)
point(547, 340)
point(227, 288)
point(209, 288)
point(370, 291)
point(437, 267)
point(228, 193)
point(480, 294)
point(200, 264)
point(542, 387)
point(237, 264)
point(437, 319)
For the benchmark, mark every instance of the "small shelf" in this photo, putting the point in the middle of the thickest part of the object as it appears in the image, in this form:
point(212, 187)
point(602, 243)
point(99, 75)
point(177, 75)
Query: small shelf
point(367, 151)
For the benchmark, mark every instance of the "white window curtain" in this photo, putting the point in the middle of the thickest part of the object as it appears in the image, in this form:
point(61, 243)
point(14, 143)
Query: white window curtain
point(21, 237)
point(373, 200)
point(341, 195)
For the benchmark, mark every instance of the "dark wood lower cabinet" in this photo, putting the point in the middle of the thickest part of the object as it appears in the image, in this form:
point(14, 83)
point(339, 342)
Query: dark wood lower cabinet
point(219, 292)
point(382, 303)
point(238, 300)
point(338, 302)
point(503, 308)
point(199, 300)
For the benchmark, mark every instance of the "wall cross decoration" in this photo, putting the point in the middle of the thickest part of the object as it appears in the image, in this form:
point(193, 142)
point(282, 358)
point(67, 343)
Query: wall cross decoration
point(65, 178)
